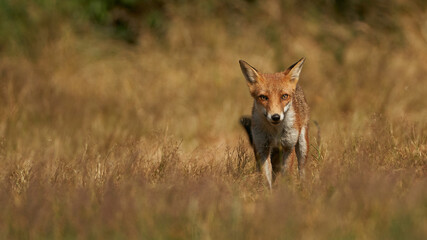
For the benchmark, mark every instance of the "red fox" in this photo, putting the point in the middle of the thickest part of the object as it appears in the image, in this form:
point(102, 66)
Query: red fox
point(279, 119)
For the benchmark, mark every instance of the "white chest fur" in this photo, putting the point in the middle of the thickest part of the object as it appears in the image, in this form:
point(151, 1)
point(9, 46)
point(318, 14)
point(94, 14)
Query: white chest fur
point(284, 134)
point(289, 135)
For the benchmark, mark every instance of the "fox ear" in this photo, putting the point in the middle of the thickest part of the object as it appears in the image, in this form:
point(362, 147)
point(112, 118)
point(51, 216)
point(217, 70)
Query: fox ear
point(250, 73)
point(295, 69)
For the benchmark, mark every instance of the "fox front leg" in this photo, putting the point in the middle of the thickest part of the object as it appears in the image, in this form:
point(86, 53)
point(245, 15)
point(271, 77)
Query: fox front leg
point(264, 164)
point(302, 151)
point(285, 158)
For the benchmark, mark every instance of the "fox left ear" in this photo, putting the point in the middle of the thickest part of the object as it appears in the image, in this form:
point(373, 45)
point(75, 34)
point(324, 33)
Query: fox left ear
point(250, 73)
point(295, 69)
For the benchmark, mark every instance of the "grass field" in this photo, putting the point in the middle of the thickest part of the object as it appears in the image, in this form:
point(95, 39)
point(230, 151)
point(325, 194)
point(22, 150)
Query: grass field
point(102, 137)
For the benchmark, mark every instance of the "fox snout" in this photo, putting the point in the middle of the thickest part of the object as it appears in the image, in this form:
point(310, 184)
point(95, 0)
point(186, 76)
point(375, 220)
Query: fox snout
point(276, 115)
point(275, 118)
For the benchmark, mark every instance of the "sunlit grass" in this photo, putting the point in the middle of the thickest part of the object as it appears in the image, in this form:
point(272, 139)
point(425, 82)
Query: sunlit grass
point(102, 139)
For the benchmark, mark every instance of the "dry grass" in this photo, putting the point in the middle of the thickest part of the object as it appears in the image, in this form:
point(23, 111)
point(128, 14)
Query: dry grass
point(99, 139)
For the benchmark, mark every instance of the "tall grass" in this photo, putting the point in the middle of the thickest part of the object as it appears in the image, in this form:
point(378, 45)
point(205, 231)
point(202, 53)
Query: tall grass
point(104, 138)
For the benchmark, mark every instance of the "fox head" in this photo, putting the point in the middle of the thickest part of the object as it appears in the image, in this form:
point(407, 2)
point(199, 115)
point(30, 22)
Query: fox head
point(272, 92)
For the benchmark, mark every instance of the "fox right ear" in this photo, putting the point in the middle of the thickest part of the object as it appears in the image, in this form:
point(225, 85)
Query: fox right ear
point(250, 73)
point(295, 70)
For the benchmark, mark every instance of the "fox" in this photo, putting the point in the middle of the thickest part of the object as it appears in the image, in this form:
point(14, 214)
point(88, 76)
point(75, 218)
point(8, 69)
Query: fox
point(279, 122)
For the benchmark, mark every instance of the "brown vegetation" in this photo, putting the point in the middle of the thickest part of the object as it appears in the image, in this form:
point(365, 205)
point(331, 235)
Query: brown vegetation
point(105, 139)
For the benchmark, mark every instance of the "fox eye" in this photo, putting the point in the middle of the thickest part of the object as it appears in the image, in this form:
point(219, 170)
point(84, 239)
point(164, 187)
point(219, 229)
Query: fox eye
point(285, 96)
point(263, 97)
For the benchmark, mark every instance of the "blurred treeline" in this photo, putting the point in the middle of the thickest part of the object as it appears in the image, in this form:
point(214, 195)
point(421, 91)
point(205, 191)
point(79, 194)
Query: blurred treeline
point(26, 24)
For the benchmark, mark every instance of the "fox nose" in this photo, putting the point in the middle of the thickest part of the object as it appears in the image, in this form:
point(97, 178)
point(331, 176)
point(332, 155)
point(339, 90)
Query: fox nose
point(275, 117)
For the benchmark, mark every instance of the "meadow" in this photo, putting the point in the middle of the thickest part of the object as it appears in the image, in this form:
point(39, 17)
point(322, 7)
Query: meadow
point(119, 119)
